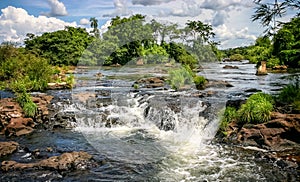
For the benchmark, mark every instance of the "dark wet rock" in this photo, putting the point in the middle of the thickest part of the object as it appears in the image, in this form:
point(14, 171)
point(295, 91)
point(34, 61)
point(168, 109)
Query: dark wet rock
point(64, 162)
point(7, 148)
point(252, 90)
point(235, 103)
point(152, 82)
point(230, 67)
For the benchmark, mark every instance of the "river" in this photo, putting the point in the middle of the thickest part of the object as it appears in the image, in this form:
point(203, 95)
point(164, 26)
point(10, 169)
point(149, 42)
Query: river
point(154, 134)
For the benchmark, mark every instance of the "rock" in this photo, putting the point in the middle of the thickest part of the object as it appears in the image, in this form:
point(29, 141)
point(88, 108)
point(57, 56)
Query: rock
point(116, 65)
point(140, 62)
point(152, 82)
point(253, 90)
point(7, 148)
point(64, 162)
point(262, 69)
point(99, 75)
point(230, 67)
point(283, 130)
point(235, 103)
point(19, 126)
point(168, 65)
point(217, 83)
point(280, 67)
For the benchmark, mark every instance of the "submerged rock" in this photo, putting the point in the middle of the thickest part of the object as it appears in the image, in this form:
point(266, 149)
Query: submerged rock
point(66, 161)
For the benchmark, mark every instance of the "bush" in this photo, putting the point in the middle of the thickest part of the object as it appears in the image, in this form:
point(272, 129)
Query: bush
point(25, 101)
point(199, 81)
point(257, 109)
point(178, 78)
point(236, 57)
point(30, 109)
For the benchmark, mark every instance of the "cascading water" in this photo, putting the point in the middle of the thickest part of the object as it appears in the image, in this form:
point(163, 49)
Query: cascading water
point(157, 136)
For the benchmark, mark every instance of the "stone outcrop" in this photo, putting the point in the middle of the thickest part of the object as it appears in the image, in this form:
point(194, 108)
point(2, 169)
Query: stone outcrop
point(283, 130)
point(7, 148)
point(262, 69)
point(12, 118)
point(66, 161)
point(280, 67)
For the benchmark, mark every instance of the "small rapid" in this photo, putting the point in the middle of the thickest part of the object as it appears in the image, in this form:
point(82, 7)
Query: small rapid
point(158, 135)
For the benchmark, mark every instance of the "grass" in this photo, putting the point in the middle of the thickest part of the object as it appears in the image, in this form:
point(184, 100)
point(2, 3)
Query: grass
point(257, 109)
point(229, 116)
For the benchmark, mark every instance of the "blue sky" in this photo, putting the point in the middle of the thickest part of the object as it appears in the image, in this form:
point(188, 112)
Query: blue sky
point(230, 18)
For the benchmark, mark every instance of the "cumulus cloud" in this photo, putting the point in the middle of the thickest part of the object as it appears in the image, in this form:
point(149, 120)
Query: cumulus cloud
point(224, 4)
point(57, 9)
point(121, 9)
point(223, 33)
point(84, 21)
point(15, 23)
point(220, 18)
point(150, 2)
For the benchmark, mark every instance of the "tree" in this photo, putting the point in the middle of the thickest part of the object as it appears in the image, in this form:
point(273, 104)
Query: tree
point(94, 25)
point(267, 13)
point(63, 47)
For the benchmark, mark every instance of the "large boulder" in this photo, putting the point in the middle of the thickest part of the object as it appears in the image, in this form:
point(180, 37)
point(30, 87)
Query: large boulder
point(151, 82)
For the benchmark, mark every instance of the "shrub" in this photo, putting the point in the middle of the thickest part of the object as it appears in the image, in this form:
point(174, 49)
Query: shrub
point(25, 101)
point(30, 109)
point(199, 81)
point(257, 109)
point(70, 80)
point(180, 77)
point(236, 57)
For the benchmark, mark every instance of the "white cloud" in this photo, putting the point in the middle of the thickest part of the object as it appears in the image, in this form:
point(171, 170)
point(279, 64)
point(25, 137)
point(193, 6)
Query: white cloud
point(227, 36)
point(150, 2)
point(57, 8)
point(84, 21)
point(15, 23)
point(220, 18)
point(121, 9)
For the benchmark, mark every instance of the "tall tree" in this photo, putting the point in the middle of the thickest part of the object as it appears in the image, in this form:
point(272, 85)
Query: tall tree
point(94, 25)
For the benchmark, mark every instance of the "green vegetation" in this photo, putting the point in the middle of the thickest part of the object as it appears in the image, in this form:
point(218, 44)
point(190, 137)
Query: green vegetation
point(290, 95)
point(199, 81)
point(63, 47)
point(25, 101)
point(282, 49)
point(230, 115)
point(236, 57)
point(180, 78)
point(257, 109)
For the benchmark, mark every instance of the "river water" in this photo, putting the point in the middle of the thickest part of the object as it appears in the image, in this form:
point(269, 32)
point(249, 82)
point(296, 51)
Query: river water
point(156, 134)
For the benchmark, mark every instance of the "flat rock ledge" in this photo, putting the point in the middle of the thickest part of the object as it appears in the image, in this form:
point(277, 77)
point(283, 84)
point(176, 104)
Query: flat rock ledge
point(64, 162)
point(7, 148)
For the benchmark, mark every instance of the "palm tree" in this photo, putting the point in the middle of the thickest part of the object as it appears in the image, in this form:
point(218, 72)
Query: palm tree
point(94, 25)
